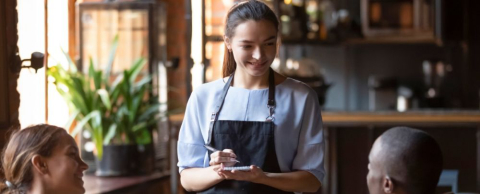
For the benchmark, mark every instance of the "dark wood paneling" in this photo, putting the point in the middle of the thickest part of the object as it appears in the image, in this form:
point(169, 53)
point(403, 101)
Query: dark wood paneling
point(472, 82)
point(353, 149)
point(458, 143)
point(4, 108)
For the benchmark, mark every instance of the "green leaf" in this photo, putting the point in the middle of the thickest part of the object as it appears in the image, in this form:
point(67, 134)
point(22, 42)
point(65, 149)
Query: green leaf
point(71, 65)
point(96, 76)
point(71, 119)
point(136, 69)
point(93, 115)
point(144, 137)
point(143, 83)
point(126, 89)
point(78, 98)
point(111, 57)
point(135, 105)
point(148, 113)
point(105, 98)
point(139, 126)
point(117, 81)
point(98, 141)
point(112, 131)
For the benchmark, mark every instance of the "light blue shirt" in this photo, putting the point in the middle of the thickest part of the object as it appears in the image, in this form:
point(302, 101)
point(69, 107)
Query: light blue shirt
point(299, 140)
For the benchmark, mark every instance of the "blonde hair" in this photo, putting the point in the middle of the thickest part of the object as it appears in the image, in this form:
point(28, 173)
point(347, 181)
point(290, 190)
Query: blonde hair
point(17, 155)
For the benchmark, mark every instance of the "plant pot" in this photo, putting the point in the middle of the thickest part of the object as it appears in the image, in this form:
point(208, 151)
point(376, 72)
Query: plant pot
point(117, 160)
point(145, 159)
point(122, 160)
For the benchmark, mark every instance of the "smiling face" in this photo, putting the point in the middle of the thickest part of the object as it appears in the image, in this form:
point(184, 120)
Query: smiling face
point(254, 46)
point(65, 167)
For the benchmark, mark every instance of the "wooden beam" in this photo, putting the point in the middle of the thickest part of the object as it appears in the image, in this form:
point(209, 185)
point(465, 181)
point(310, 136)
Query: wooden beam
point(45, 61)
point(72, 33)
point(334, 162)
point(478, 158)
point(4, 108)
point(326, 161)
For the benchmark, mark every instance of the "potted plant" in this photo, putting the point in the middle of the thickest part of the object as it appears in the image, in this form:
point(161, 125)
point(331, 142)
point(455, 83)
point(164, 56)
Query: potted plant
point(118, 114)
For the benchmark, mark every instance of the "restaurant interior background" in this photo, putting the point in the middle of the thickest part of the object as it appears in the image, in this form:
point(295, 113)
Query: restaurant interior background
point(374, 64)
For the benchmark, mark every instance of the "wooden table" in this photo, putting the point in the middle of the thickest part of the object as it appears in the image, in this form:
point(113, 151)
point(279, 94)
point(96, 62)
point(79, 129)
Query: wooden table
point(127, 184)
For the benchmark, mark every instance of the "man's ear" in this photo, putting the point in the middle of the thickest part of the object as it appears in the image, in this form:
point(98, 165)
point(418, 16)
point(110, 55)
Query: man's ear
point(227, 43)
point(39, 164)
point(388, 185)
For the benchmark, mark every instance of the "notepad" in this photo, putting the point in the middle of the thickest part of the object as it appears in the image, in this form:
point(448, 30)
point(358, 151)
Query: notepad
point(242, 168)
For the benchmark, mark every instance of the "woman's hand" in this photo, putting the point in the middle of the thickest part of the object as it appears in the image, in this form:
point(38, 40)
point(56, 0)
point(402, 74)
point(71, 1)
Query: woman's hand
point(255, 175)
point(227, 157)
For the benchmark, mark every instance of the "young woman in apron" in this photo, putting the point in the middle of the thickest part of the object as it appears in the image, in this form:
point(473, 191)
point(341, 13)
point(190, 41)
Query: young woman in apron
point(254, 115)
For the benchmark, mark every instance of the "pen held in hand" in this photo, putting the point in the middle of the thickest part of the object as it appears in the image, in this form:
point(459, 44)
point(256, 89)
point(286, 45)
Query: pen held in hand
point(214, 150)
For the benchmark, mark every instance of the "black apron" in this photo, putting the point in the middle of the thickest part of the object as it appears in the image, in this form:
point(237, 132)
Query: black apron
point(252, 141)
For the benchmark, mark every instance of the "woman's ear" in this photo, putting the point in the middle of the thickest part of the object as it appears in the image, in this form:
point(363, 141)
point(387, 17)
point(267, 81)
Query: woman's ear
point(39, 164)
point(227, 43)
point(388, 185)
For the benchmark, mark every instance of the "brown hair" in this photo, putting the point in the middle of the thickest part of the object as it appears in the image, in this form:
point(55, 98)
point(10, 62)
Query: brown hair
point(17, 155)
point(239, 13)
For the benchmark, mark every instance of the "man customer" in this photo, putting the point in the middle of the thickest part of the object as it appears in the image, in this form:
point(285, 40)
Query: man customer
point(404, 160)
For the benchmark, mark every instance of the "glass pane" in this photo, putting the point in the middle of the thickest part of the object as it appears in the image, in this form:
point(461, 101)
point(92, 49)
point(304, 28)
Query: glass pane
point(58, 113)
point(214, 52)
point(31, 85)
point(99, 30)
point(215, 12)
point(391, 14)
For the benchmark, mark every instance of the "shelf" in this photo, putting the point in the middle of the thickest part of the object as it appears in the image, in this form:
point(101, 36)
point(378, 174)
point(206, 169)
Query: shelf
point(391, 40)
point(354, 41)
point(214, 38)
point(368, 41)
point(310, 42)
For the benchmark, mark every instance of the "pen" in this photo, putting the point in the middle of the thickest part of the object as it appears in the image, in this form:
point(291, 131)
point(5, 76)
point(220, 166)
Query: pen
point(214, 150)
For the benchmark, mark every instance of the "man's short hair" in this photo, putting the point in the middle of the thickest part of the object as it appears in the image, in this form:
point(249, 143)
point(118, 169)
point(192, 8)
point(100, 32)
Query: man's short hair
point(413, 158)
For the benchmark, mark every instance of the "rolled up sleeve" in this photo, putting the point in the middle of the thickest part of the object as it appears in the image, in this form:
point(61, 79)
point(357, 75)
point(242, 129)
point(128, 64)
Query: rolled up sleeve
point(190, 150)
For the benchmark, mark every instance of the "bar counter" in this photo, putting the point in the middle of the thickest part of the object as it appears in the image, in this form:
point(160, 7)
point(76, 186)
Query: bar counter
point(350, 135)
point(331, 118)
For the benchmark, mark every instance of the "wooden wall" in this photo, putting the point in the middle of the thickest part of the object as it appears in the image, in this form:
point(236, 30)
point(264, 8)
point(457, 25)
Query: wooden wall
point(4, 120)
point(9, 96)
point(353, 144)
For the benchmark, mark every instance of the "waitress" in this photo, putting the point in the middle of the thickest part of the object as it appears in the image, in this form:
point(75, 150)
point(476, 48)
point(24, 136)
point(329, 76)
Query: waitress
point(254, 115)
